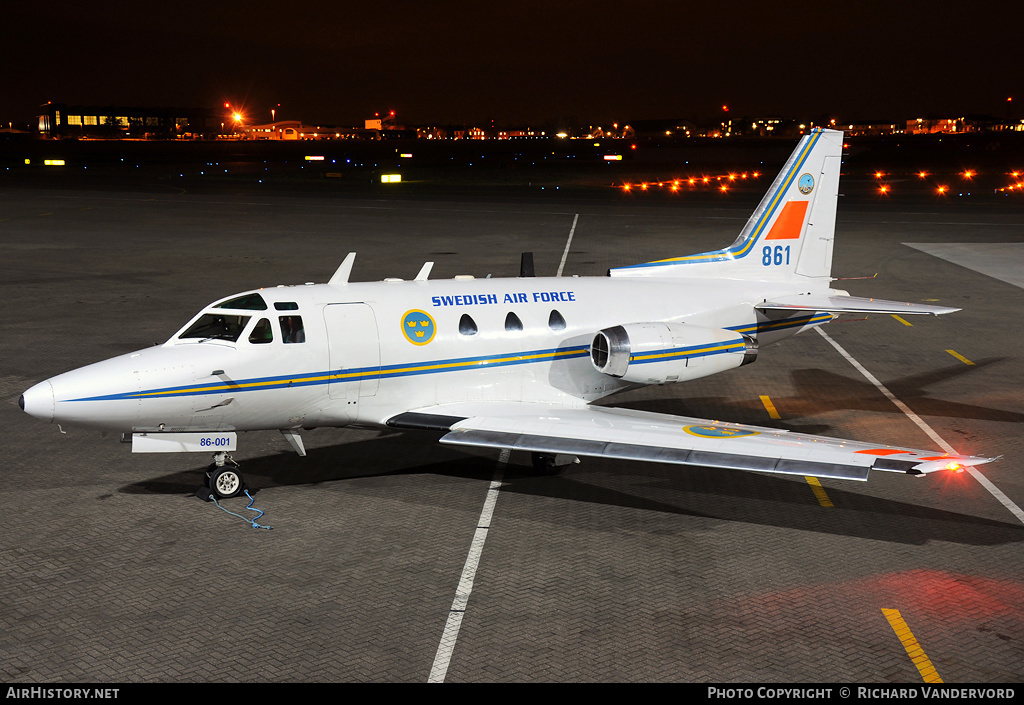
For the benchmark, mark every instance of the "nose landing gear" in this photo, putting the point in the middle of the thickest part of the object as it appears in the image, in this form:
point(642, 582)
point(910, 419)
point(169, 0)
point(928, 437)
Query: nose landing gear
point(222, 479)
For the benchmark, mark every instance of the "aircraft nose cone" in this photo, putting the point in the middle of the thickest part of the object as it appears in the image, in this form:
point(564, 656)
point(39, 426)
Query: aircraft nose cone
point(38, 401)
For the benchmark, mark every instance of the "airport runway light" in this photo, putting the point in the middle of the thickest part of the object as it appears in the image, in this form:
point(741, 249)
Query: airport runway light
point(968, 174)
point(883, 189)
point(879, 174)
point(922, 174)
point(941, 190)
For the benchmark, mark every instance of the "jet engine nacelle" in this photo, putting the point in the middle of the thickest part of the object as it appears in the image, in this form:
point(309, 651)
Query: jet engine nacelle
point(655, 353)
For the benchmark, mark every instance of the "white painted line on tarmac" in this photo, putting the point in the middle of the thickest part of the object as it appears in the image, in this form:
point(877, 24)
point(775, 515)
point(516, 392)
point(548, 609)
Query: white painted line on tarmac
point(451, 628)
point(982, 480)
point(568, 242)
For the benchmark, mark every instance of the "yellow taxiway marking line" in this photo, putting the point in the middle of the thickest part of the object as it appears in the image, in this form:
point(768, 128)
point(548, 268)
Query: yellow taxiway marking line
point(914, 650)
point(819, 491)
point(960, 357)
point(901, 320)
point(770, 407)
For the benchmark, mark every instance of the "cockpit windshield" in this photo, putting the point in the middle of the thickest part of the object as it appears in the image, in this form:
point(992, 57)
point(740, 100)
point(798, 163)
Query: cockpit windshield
point(216, 326)
point(245, 302)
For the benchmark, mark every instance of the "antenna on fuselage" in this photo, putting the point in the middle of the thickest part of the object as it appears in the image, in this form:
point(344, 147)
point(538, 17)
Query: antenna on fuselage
point(526, 265)
point(344, 271)
point(424, 272)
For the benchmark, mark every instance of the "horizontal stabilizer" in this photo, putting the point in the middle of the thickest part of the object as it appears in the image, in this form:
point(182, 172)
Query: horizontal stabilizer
point(849, 304)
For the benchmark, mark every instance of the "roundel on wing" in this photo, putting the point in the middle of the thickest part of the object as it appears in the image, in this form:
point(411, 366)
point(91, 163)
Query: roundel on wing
point(418, 327)
point(805, 184)
point(718, 432)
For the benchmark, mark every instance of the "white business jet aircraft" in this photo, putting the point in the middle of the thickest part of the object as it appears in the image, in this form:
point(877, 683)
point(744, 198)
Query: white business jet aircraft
point(506, 363)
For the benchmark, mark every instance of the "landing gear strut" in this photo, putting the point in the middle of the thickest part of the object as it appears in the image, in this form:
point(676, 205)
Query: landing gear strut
point(548, 464)
point(222, 478)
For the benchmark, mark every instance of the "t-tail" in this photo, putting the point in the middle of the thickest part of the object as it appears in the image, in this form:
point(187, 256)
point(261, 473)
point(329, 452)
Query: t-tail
point(789, 236)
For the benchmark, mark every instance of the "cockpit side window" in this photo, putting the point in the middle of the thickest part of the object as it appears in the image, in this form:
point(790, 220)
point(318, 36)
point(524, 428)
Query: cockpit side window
point(245, 302)
point(261, 332)
point(216, 326)
point(292, 330)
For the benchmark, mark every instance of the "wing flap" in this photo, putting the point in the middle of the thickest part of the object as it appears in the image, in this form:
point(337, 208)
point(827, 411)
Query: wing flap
point(850, 304)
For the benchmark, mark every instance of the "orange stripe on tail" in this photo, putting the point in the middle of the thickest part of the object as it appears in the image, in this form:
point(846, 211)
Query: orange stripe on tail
point(790, 222)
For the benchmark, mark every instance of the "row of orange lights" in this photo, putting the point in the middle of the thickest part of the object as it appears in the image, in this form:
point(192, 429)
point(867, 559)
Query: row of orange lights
point(693, 181)
point(942, 189)
point(967, 174)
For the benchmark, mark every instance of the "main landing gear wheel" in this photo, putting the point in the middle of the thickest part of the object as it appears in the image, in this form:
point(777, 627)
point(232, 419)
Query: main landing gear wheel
point(545, 464)
point(548, 464)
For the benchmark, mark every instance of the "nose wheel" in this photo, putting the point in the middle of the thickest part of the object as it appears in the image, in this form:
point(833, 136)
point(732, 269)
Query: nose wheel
point(223, 479)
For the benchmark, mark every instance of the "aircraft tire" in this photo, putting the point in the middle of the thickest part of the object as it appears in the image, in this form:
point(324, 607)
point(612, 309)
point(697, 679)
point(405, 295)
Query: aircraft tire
point(226, 482)
point(544, 464)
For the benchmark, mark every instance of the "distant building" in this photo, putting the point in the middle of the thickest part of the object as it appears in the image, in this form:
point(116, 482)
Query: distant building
point(929, 126)
point(869, 128)
point(971, 123)
point(288, 130)
point(58, 120)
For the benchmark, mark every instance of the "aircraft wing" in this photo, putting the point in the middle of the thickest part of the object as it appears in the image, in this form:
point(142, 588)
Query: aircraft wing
point(849, 304)
point(661, 438)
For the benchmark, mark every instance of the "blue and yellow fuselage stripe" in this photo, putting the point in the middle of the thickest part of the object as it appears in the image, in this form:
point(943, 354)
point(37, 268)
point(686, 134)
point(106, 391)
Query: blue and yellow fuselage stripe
point(349, 375)
point(667, 354)
point(742, 249)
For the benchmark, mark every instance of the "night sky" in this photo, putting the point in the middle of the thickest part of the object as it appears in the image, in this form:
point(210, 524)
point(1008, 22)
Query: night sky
point(585, 62)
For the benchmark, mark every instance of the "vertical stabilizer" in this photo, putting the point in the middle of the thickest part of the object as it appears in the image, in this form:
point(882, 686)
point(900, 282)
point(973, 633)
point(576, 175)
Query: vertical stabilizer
point(789, 235)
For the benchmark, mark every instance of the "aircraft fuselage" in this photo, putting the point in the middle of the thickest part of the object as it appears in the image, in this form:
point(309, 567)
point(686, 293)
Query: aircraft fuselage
point(361, 362)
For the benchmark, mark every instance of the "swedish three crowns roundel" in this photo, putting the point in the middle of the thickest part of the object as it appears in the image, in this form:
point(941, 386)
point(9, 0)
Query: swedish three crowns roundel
point(418, 327)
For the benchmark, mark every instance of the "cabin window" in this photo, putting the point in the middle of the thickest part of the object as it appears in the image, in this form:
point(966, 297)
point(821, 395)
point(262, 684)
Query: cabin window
point(261, 332)
point(467, 326)
point(286, 306)
point(247, 302)
point(292, 330)
point(555, 321)
point(512, 322)
point(216, 326)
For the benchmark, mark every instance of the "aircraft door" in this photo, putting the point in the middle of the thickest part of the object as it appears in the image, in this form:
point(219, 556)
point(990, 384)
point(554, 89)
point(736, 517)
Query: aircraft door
point(354, 352)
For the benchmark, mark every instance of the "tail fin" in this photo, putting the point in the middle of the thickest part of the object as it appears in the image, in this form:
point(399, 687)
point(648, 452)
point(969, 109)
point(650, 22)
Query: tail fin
point(789, 235)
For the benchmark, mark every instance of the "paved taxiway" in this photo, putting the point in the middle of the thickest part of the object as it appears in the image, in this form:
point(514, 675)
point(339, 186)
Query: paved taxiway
point(111, 570)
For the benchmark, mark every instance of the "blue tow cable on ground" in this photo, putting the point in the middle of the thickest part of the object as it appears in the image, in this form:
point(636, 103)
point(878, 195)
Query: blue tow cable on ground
point(250, 508)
